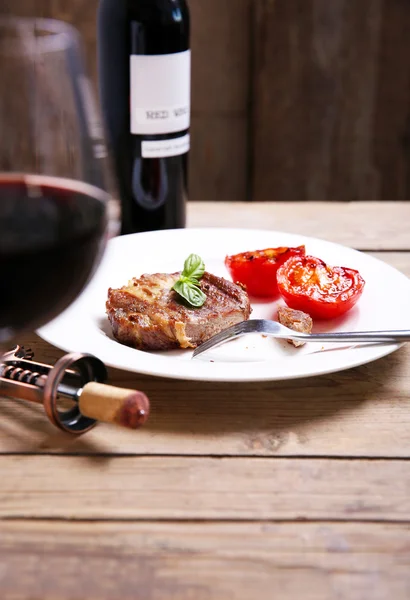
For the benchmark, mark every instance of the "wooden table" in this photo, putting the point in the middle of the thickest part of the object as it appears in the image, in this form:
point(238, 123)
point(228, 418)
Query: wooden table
point(296, 489)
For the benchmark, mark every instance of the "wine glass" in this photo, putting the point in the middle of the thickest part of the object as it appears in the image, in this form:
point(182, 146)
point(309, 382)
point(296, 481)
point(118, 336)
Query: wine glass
point(57, 207)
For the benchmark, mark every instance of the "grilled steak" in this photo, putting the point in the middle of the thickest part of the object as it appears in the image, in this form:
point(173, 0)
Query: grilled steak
point(296, 320)
point(147, 314)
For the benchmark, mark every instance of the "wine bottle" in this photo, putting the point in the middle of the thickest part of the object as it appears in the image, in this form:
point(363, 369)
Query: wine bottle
point(144, 65)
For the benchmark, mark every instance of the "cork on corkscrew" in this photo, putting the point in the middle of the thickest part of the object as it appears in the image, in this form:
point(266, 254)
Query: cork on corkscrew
point(79, 378)
point(127, 408)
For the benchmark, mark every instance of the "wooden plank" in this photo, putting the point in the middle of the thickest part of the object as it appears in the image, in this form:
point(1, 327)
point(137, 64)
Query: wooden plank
point(25, 8)
point(204, 561)
point(220, 56)
point(331, 95)
point(218, 158)
point(220, 99)
point(391, 116)
point(360, 412)
point(186, 488)
point(375, 226)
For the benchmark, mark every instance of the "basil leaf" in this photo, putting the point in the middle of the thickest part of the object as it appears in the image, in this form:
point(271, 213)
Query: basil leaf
point(187, 285)
point(181, 288)
point(194, 267)
point(190, 292)
point(196, 296)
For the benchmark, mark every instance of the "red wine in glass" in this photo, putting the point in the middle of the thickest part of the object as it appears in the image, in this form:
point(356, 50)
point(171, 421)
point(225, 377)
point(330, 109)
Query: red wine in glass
point(53, 233)
point(55, 184)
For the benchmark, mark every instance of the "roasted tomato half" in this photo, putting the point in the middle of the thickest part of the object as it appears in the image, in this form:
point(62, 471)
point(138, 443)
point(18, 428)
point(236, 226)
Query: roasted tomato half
point(257, 270)
point(307, 283)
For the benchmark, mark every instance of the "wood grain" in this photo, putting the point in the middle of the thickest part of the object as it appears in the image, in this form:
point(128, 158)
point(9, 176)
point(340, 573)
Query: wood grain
point(25, 8)
point(360, 412)
point(331, 100)
point(321, 89)
point(204, 561)
point(218, 145)
point(220, 56)
point(177, 488)
point(220, 99)
point(365, 226)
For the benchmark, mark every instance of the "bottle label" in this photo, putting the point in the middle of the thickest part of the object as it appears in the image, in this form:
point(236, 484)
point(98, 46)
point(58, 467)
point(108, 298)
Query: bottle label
point(164, 148)
point(160, 93)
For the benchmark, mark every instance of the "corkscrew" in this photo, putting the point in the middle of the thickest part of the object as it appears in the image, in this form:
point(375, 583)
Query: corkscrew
point(78, 378)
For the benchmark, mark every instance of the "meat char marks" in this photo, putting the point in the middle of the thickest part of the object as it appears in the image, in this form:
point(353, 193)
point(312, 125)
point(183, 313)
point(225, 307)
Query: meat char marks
point(147, 314)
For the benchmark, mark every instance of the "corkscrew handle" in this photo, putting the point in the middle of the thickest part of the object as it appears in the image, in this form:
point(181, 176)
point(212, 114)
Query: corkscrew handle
point(95, 401)
point(80, 378)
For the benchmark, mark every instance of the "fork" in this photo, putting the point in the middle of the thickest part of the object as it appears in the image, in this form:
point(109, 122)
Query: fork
point(276, 330)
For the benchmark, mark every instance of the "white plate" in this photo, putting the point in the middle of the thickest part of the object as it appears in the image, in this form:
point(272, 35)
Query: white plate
point(84, 327)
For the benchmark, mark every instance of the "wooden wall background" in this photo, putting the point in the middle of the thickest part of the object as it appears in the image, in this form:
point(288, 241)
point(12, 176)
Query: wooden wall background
point(292, 99)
